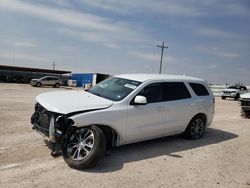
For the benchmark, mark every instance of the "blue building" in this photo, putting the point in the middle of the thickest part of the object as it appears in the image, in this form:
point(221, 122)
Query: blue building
point(88, 79)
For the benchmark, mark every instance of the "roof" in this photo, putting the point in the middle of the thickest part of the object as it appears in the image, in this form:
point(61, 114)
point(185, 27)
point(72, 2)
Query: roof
point(28, 69)
point(147, 77)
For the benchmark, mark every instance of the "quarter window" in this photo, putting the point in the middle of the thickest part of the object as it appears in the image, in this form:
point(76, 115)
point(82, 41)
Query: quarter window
point(199, 89)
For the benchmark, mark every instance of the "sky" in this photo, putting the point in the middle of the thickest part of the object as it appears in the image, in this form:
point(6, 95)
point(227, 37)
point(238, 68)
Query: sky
point(205, 38)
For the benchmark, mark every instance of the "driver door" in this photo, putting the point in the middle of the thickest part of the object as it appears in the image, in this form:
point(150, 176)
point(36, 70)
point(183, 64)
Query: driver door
point(147, 121)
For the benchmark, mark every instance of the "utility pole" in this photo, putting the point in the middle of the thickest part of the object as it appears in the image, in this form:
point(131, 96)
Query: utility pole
point(162, 50)
point(54, 65)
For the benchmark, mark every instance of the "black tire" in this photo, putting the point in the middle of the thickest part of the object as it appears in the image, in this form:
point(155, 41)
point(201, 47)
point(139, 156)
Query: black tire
point(57, 85)
point(38, 84)
point(237, 97)
point(195, 128)
point(223, 98)
point(74, 151)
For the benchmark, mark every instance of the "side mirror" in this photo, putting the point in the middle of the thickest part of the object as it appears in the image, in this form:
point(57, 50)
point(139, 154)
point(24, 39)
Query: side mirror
point(140, 100)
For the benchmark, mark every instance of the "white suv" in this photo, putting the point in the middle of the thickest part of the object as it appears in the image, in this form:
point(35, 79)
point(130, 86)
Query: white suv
point(233, 92)
point(46, 81)
point(120, 110)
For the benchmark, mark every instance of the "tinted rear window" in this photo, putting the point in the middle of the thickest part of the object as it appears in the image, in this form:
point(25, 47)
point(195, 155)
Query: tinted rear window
point(199, 89)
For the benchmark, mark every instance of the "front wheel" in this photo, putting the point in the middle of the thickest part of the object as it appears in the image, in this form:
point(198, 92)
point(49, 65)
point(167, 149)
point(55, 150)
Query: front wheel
point(84, 147)
point(223, 98)
point(57, 85)
point(195, 128)
point(236, 97)
point(38, 84)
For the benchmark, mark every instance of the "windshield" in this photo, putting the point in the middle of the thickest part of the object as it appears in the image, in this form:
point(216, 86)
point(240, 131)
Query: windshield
point(232, 87)
point(114, 89)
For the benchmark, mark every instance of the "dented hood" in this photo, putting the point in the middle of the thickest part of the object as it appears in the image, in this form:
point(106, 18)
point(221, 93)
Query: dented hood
point(65, 102)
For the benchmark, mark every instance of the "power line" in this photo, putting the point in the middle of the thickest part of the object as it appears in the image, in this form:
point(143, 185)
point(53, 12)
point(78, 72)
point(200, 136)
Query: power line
point(162, 50)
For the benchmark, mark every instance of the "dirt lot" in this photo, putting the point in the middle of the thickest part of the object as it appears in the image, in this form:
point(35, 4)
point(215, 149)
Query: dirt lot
point(220, 159)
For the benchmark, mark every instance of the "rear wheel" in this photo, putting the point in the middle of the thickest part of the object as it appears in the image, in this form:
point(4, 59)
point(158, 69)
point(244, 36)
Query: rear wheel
point(223, 98)
point(195, 128)
point(84, 147)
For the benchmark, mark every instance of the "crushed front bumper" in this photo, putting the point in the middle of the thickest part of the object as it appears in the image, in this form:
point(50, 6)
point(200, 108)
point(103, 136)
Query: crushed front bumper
point(51, 125)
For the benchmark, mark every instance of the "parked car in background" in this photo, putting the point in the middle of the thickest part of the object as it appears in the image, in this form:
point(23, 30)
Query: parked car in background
point(72, 83)
point(233, 92)
point(245, 105)
point(47, 81)
point(121, 110)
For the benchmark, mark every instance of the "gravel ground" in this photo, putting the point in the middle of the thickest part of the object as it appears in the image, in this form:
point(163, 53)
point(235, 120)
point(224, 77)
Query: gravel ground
point(220, 159)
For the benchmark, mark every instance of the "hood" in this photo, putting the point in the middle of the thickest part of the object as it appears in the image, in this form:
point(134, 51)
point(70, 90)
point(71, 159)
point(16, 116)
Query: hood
point(245, 96)
point(65, 102)
point(34, 79)
point(230, 90)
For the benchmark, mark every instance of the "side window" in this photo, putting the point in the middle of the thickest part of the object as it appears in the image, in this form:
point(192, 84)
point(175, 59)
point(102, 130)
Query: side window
point(243, 88)
point(175, 91)
point(199, 89)
point(153, 92)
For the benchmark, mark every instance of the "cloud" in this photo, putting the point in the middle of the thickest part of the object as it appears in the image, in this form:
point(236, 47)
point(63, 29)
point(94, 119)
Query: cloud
point(24, 44)
point(22, 57)
point(63, 16)
point(153, 7)
point(218, 51)
point(214, 32)
point(155, 57)
point(112, 45)
point(146, 56)
point(212, 66)
point(171, 8)
point(88, 27)
point(108, 39)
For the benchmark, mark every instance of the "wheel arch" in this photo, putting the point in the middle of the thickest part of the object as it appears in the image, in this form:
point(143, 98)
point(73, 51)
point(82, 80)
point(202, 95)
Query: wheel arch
point(202, 115)
point(38, 82)
point(110, 133)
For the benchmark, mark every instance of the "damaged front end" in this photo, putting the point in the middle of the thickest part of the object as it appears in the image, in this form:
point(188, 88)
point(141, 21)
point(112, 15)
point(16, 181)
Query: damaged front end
point(52, 125)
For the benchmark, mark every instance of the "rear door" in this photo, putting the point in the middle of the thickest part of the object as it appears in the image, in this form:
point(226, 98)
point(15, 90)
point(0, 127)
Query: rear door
point(179, 107)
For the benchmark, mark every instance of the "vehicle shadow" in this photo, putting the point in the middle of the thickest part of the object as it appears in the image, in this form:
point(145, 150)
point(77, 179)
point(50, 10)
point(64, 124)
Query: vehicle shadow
point(157, 147)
